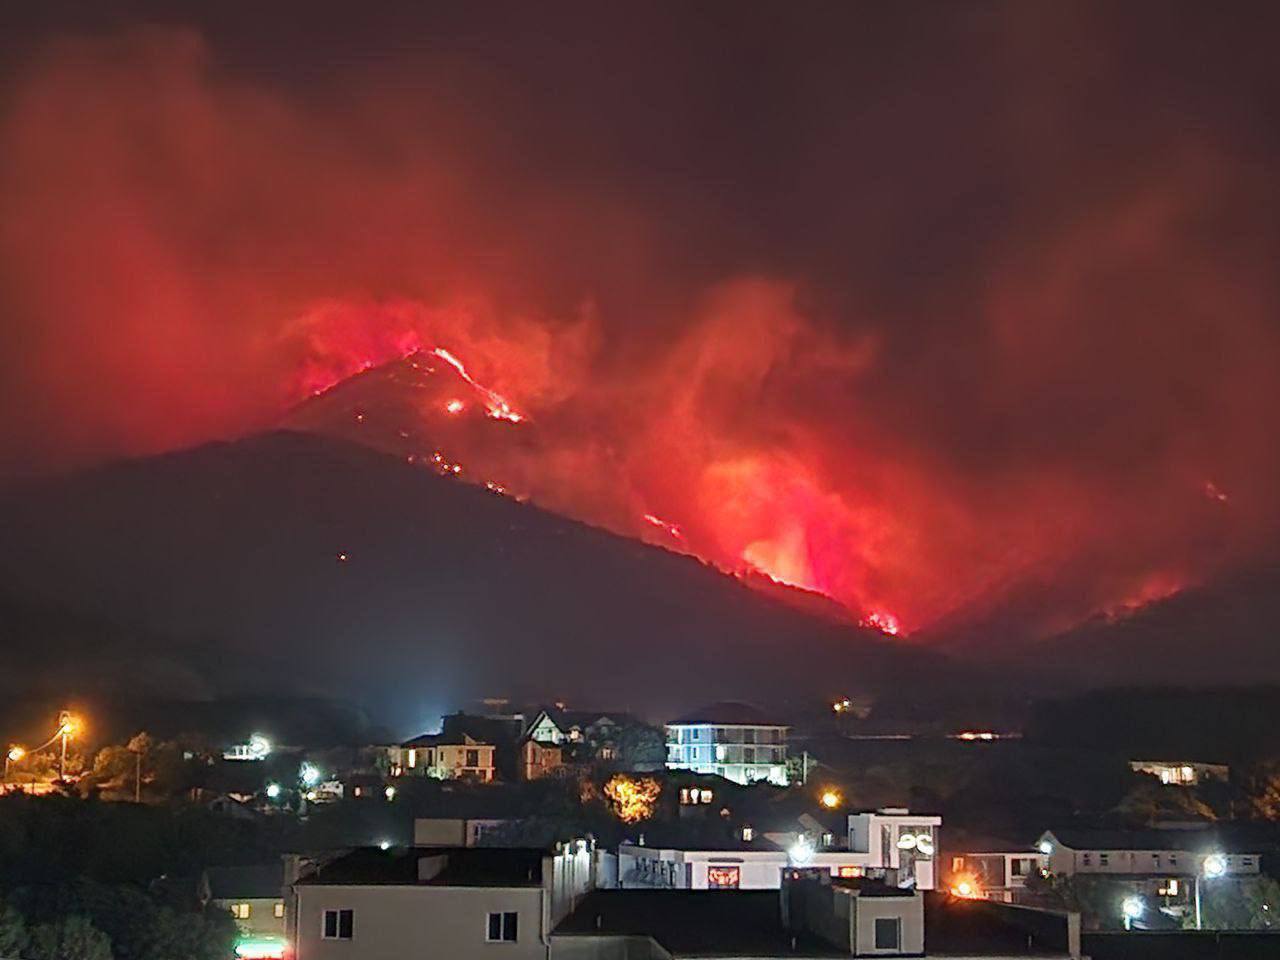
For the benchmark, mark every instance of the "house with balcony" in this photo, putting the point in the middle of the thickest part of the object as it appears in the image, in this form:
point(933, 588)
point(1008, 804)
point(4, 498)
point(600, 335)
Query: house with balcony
point(731, 740)
point(446, 756)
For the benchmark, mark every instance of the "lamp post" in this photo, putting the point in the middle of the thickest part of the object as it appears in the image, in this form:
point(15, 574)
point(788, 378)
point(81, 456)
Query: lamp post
point(66, 727)
point(14, 754)
point(1213, 866)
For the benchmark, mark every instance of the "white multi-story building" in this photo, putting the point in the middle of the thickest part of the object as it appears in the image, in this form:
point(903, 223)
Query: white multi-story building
point(892, 844)
point(730, 740)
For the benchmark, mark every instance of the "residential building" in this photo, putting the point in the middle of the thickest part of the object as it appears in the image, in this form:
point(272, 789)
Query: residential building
point(1181, 773)
point(731, 740)
point(255, 898)
point(538, 760)
point(991, 872)
point(446, 756)
point(895, 839)
point(454, 831)
point(459, 903)
point(1155, 854)
point(892, 845)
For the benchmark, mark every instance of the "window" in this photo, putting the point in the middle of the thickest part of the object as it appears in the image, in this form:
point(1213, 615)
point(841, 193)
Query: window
point(957, 864)
point(748, 754)
point(240, 911)
point(338, 925)
point(1246, 861)
point(1103, 859)
point(850, 871)
point(748, 834)
point(473, 758)
point(502, 928)
point(722, 878)
point(1086, 859)
point(1019, 867)
point(279, 910)
point(1173, 859)
point(413, 758)
point(888, 933)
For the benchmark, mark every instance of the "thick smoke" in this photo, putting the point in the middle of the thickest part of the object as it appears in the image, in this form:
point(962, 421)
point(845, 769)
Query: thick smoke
point(983, 330)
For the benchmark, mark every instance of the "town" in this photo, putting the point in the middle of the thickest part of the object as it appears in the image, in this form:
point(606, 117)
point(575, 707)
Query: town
point(556, 832)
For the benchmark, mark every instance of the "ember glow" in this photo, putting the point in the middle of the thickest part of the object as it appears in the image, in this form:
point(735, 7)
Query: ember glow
point(1026, 380)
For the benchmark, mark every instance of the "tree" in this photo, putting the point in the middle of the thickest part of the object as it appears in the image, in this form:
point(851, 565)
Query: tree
point(71, 938)
point(13, 932)
point(642, 747)
point(140, 746)
point(1244, 903)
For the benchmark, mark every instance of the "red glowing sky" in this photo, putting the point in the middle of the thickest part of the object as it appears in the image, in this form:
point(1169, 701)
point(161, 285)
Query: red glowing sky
point(945, 350)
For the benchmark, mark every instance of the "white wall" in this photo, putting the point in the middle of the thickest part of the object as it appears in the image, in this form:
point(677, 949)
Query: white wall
point(395, 922)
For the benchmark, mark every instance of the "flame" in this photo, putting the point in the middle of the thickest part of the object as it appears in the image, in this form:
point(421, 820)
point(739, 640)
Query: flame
point(632, 798)
point(673, 529)
point(454, 406)
point(496, 404)
point(886, 623)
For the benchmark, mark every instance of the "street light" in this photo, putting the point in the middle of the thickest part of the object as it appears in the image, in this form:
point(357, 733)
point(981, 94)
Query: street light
point(1132, 908)
point(68, 726)
point(830, 799)
point(1213, 866)
point(15, 754)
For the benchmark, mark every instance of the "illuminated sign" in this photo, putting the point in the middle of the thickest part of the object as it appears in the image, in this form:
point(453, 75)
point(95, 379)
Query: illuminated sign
point(260, 948)
point(722, 878)
point(922, 843)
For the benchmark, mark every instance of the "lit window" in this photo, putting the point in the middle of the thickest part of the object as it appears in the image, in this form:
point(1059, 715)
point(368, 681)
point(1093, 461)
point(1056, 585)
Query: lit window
point(502, 928)
point(748, 834)
point(240, 911)
point(850, 871)
point(338, 925)
point(279, 910)
point(957, 864)
point(705, 796)
point(722, 878)
point(413, 758)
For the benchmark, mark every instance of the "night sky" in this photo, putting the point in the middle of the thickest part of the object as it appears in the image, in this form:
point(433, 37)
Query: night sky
point(949, 311)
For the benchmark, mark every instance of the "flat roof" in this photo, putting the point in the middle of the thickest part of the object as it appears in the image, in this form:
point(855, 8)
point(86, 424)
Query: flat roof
point(462, 867)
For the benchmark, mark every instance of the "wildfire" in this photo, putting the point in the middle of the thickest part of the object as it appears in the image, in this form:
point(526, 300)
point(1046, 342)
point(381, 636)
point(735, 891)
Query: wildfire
point(886, 623)
point(673, 529)
point(632, 799)
point(454, 407)
point(1214, 492)
point(496, 404)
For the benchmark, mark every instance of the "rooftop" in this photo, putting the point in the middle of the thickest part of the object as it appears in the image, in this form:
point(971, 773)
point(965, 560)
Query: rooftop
point(729, 713)
point(440, 866)
point(1194, 839)
point(743, 923)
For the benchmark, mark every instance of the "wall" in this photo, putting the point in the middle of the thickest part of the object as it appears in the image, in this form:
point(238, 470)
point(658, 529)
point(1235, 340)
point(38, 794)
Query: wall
point(394, 922)
point(910, 910)
point(439, 832)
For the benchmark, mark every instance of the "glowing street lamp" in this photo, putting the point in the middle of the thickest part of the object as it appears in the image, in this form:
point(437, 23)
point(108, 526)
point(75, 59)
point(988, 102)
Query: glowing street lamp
point(15, 754)
point(1213, 867)
point(801, 852)
point(309, 774)
point(68, 727)
point(273, 791)
point(1132, 908)
point(830, 799)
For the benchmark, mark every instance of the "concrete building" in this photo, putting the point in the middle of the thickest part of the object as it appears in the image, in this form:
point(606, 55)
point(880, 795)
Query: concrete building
point(893, 845)
point(255, 898)
point(1167, 853)
point(454, 831)
point(457, 903)
point(731, 740)
point(446, 756)
point(991, 872)
point(1181, 773)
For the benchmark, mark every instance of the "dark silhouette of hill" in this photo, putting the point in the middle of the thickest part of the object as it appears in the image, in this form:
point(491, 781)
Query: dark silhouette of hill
point(1224, 632)
point(310, 566)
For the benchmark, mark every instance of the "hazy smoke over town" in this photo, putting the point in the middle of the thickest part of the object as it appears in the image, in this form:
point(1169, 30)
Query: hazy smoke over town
point(987, 342)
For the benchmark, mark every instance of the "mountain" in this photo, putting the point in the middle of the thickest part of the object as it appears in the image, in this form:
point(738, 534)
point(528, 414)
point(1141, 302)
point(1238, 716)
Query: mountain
point(1223, 632)
point(314, 566)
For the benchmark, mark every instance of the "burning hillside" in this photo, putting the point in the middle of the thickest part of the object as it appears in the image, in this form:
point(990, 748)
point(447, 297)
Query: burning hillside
point(895, 350)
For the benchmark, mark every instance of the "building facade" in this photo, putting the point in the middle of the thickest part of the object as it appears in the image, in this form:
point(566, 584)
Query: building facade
point(478, 902)
point(446, 757)
point(730, 740)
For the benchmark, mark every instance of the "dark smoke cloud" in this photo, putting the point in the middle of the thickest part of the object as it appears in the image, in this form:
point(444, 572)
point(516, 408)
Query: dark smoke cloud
point(950, 312)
